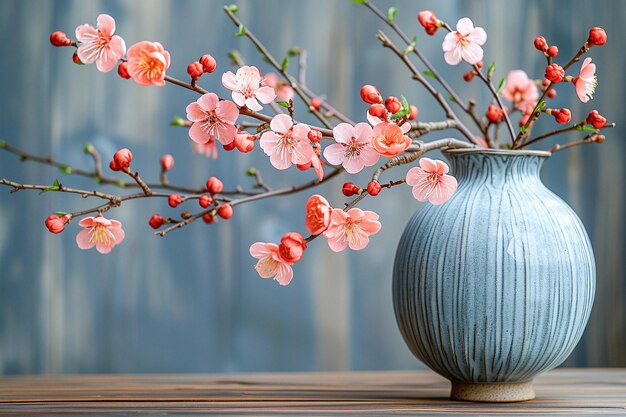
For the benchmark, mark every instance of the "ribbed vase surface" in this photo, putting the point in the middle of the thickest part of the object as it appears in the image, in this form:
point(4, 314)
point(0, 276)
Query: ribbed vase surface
point(495, 285)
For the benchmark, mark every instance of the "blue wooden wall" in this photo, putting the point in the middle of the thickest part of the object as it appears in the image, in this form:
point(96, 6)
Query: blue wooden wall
point(192, 302)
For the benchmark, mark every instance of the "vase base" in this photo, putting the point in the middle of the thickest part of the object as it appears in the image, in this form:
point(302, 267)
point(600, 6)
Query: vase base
point(495, 392)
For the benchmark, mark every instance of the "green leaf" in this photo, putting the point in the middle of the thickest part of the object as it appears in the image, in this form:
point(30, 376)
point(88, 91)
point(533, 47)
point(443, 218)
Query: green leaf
point(177, 121)
point(284, 104)
point(65, 169)
point(241, 32)
point(233, 8)
point(391, 14)
point(523, 130)
point(430, 74)
point(491, 69)
point(3, 143)
point(285, 64)
point(411, 47)
point(404, 111)
point(587, 128)
point(501, 85)
point(54, 187)
point(60, 213)
point(360, 1)
point(251, 172)
point(452, 99)
point(295, 51)
point(541, 106)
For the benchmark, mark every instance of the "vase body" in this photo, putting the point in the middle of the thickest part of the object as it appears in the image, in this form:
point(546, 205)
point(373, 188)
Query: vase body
point(495, 285)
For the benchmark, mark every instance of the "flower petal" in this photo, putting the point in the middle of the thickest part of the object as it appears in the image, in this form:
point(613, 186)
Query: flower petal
point(343, 132)
point(465, 26)
point(284, 274)
point(362, 132)
point(265, 94)
point(281, 123)
point(106, 24)
point(195, 112)
point(83, 239)
point(334, 154)
point(230, 82)
point(197, 133)
point(478, 36)
point(472, 53)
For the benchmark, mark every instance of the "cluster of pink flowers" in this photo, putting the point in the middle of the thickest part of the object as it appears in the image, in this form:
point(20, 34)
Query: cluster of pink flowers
point(286, 142)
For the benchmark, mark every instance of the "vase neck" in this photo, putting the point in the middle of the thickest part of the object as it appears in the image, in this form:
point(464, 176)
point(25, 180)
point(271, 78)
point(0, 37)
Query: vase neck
point(496, 168)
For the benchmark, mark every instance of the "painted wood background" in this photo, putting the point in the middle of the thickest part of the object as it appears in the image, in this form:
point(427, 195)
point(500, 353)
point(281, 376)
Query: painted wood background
point(192, 302)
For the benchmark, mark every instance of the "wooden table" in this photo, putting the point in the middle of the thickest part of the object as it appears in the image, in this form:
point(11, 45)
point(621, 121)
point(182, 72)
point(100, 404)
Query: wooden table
point(559, 392)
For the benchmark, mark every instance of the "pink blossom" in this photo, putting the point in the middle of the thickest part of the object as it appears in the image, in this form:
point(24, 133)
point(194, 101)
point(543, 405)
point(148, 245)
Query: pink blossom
point(464, 43)
point(430, 182)
point(147, 63)
point(284, 92)
point(246, 88)
point(389, 140)
point(270, 264)
point(100, 45)
point(353, 149)
point(520, 90)
point(317, 166)
point(208, 149)
point(351, 228)
point(100, 232)
point(287, 143)
point(586, 82)
point(212, 119)
point(405, 127)
point(317, 214)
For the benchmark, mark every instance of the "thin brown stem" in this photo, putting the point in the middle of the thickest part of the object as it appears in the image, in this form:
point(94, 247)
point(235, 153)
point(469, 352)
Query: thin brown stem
point(496, 96)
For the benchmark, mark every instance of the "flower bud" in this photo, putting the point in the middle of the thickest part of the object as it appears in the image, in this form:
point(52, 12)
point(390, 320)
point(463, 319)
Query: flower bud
point(167, 162)
point(596, 120)
point(56, 224)
point(208, 63)
point(195, 69)
point(59, 38)
point(597, 37)
point(429, 21)
point(370, 94)
point(378, 110)
point(214, 185)
point(225, 211)
point(156, 221)
point(562, 116)
point(468, 76)
point(316, 103)
point(244, 142)
point(122, 70)
point(555, 73)
point(373, 188)
point(541, 44)
point(205, 201)
point(392, 104)
point(208, 218)
point(292, 247)
point(414, 112)
point(494, 114)
point(229, 146)
point(122, 159)
point(174, 200)
point(76, 59)
point(552, 51)
point(598, 138)
point(305, 166)
point(314, 135)
point(349, 189)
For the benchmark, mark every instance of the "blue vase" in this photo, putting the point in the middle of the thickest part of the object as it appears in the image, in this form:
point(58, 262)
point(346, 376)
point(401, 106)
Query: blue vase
point(495, 285)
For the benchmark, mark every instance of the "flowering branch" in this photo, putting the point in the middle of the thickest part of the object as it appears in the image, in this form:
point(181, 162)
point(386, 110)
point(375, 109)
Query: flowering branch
point(576, 126)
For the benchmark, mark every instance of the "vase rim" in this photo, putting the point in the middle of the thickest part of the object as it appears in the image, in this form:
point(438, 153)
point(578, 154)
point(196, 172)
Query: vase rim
point(491, 151)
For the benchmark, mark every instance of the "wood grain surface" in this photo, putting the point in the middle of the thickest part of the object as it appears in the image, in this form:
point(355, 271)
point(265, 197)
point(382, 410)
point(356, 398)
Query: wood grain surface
point(559, 392)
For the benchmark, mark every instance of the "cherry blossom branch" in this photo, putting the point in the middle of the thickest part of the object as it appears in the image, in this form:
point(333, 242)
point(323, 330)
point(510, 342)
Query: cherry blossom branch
point(421, 128)
point(263, 50)
point(577, 126)
point(590, 138)
point(496, 96)
point(302, 55)
point(387, 43)
point(58, 188)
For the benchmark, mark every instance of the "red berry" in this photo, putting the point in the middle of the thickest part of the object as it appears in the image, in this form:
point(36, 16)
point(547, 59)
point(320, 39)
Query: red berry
point(225, 211)
point(392, 104)
point(378, 110)
point(208, 218)
point(555, 73)
point(552, 51)
point(214, 185)
point(373, 188)
point(208, 63)
point(122, 70)
point(205, 201)
point(316, 103)
point(494, 114)
point(596, 120)
point(349, 189)
point(597, 37)
point(195, 69)
point(315, 135)
point(122, 159)
point(174, 200)
point(414, 112)
point(59, 38)
point(429, 21)
point(156, 221)
point(370, 94)
point(541, 44)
